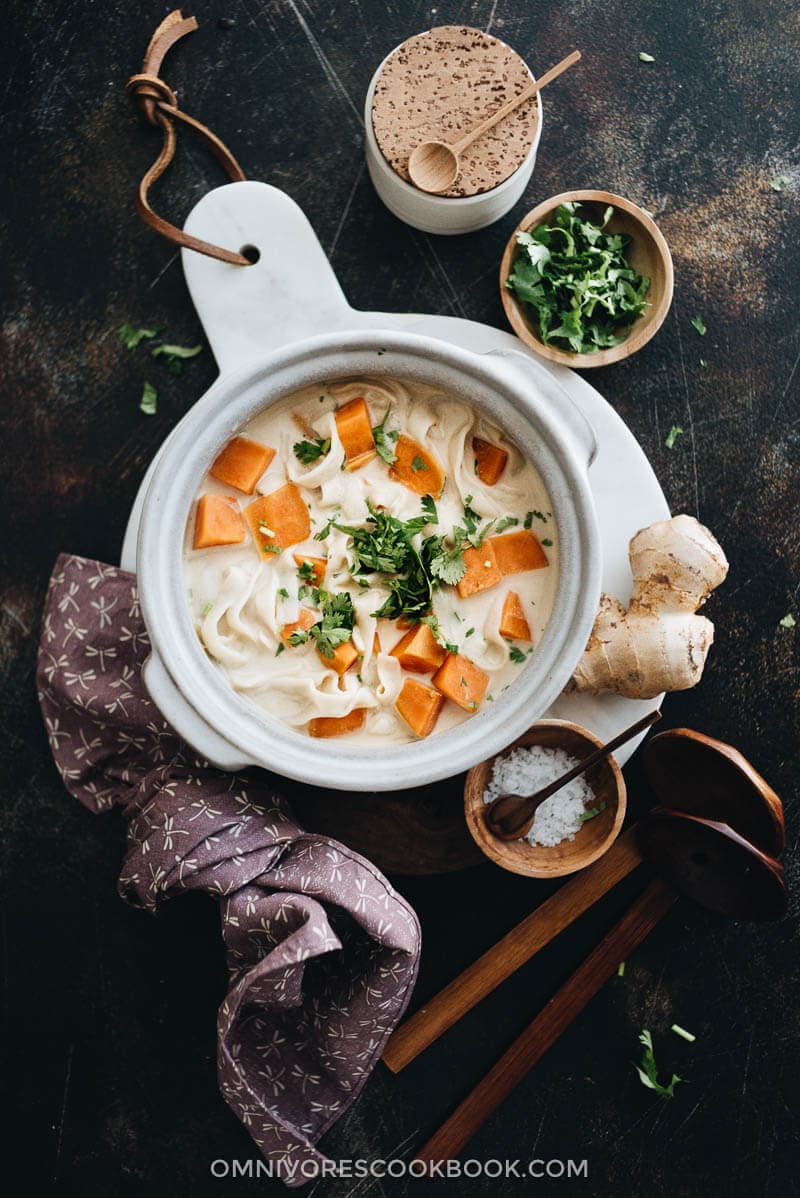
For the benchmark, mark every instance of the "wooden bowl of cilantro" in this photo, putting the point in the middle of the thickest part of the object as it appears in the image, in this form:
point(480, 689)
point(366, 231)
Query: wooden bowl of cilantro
point(586, 279)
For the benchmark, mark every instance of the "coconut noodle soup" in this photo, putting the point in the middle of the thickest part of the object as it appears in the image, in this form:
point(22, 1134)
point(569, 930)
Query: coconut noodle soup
point(371, 559)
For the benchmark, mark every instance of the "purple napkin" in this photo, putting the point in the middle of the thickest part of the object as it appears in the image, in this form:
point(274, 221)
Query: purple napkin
point(322, 952)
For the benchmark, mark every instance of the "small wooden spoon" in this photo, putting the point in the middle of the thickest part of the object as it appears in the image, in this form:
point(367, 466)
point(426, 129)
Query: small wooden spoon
point(434, 166)
point(510, 816)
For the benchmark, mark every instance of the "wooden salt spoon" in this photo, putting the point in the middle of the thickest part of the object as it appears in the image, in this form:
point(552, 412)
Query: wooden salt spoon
point(694, 774)
point(510, 816)
point(433, 166)
point(704, 859)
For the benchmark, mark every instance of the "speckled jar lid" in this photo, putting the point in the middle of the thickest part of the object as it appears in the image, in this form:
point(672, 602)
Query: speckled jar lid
point(440, 84)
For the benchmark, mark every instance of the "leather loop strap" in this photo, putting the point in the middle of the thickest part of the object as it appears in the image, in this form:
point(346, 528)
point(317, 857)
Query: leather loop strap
point(158, 104)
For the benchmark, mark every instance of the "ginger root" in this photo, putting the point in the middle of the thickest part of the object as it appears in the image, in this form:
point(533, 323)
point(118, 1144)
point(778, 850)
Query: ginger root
point(659, 643)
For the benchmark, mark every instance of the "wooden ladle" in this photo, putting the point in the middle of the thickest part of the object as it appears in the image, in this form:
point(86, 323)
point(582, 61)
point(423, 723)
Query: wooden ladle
point(434, 165)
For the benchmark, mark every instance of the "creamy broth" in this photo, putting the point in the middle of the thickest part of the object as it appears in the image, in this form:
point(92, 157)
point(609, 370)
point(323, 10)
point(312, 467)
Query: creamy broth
point(243, 597)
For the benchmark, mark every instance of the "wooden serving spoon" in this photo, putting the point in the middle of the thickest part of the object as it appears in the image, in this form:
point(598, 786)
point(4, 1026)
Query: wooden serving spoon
point(433, 166)
point(705, 860)
point(510, 816)
point(692, 773)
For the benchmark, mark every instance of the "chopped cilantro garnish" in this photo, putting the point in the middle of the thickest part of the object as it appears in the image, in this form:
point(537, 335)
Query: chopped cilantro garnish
point(506, 522)
point(547, 541)
point(516, 654)
point(648, 1071)
point(418, 464)
point(528, 521)
point(280, 649)
point(335, 626)
point(576, 276)
point(429, 508)
point(284, 594)
point(308, 451)
point(306, 572)
point(384, 440)
point(271, 548)
point(469, 632)
point(672, 436)
point(131, 337)
point(149, 401)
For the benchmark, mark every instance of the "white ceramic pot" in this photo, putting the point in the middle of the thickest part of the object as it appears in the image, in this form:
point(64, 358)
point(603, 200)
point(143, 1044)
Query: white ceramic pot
point(441, 214)
point(511, 387)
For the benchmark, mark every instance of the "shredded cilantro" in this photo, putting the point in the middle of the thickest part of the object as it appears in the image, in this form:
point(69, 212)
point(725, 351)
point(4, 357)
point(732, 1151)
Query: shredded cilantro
point(698, 325)
point(175, 355)
point(577, 278)
point(648, 1070)
point(149, 401)
point(284, 594)
point(306, 572)
point(309, 451)
point(280, 649)
point(506, 522)
point(131, 337)
point(429, 508)
point(672, 436)
point(384, 440)
point(418, 464)
point(516, 654)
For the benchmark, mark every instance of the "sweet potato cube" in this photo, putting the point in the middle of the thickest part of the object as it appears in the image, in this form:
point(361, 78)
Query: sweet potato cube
point(218, 521)
point(513, 624)
point(419, 705)
point(482, 570)
point(337, 725)
point(416, 468)
point(461, 680)
point(278, 520)
point(490, 461)
point(419, 651)
point(355, 433)
point(306, 619)
point(319, 565)
point(343, 657)
point(241, 464)
point(518, 551)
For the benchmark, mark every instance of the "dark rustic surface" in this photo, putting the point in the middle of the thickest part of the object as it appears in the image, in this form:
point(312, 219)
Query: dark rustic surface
point(110, 1014)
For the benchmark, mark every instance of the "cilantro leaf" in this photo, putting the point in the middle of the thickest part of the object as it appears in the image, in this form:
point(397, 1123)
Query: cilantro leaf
point(516, 655)
point(306, 572)
point(335, 625)
point(672, 436)
point(384, 440)
point(149, 401)
point(130, 336)
point(309, 451)
point(418, 464)
point(444, 562)
point(429, 508)
point(697, 324)
point(648, 1070)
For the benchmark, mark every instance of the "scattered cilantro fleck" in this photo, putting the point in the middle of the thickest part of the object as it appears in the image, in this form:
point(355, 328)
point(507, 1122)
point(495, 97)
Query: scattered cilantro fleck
point(303, 592)
point(280, 649)
point(490, 698)
point(384, 440)
point(131, 337)
point(593, 812)
point(672, 436)
point(516, 654)
point(648, 1070)
point(645, 57)
point(175, 355)
point(698, 325)
point(788, 621)
point(682, 1032)
point(506, 522)
point(575, 275)
point(469, 632)
point(271, 548)
point(528, 521)
point(418, 464)
point(149, 401)
point(547, 541)
point(207, 607)
point(284, 594)
point(308, 451)
point(777, 183)
point(306, 572)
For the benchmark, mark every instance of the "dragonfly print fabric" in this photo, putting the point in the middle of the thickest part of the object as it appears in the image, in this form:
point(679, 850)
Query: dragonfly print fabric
point(322, 952)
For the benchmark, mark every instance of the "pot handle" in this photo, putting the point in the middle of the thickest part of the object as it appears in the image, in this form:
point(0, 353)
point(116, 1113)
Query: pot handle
point(291, 291)
point(556, 398)
point(185, 720)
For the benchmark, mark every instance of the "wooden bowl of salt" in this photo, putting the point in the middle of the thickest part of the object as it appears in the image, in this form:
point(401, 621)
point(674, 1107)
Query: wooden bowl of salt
point(571, 829)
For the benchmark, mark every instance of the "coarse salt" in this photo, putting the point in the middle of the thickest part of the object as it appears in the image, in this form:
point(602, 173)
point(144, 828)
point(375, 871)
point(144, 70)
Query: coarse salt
point(525, 771)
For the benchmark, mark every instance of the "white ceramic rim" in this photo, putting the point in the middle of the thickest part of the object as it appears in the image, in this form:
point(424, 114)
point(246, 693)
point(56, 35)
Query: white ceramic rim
point(538, 421)
point(444, 210)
